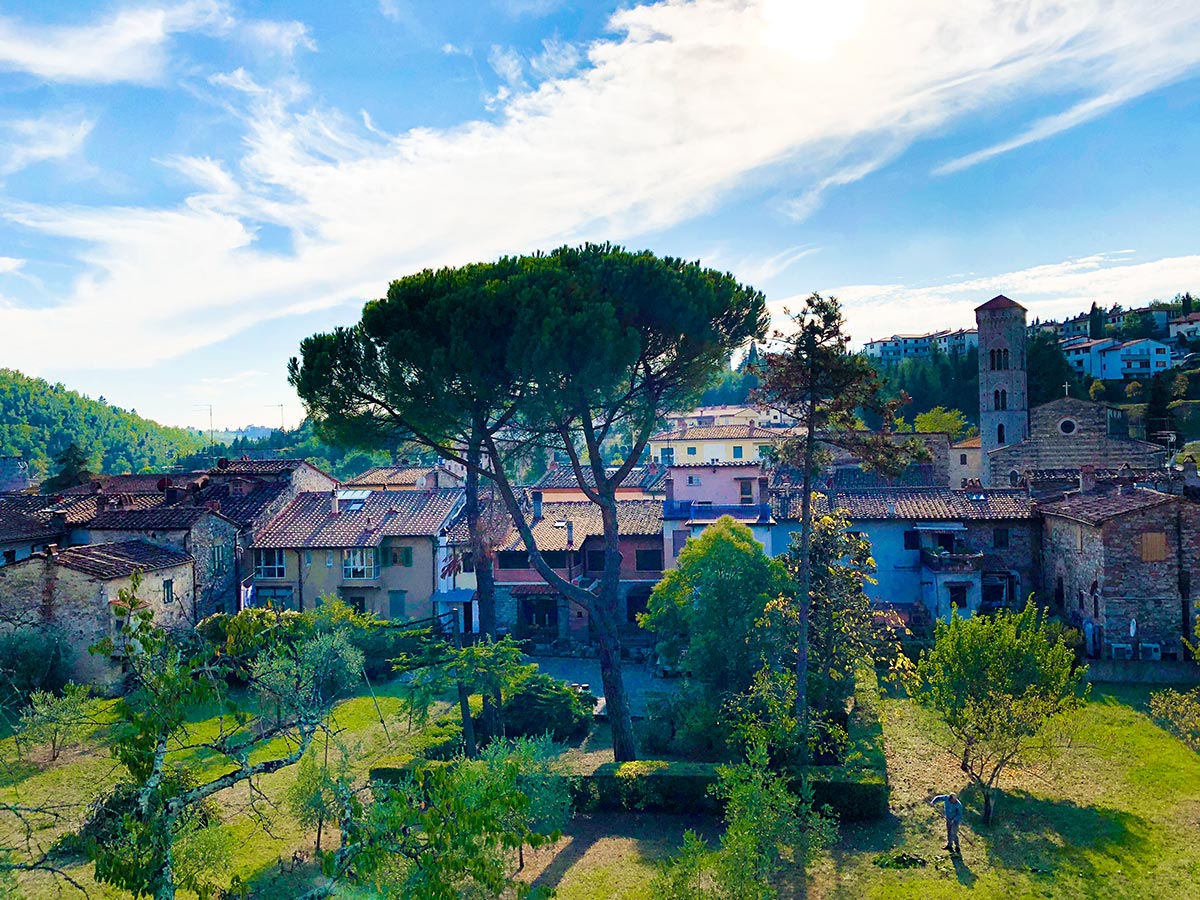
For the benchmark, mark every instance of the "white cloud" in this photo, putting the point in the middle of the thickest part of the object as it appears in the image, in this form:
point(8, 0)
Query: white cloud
point(129, 45)
point(54, 136)
point(282, 38)
point(10, 264)
point(557, 59)
point(682, 105)
point(1049, 291)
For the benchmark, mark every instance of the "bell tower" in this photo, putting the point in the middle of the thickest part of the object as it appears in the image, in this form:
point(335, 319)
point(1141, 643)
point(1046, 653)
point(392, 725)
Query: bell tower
point(1003, 380)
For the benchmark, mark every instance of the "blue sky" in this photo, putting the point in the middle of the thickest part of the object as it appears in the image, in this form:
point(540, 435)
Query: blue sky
point(189, 188)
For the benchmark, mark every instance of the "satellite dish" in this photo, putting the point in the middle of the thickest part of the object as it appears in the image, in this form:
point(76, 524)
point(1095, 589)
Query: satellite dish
point(1133, 627)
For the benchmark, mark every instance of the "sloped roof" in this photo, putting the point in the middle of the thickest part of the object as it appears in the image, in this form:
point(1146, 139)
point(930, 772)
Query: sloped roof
point(119, 560)
point(162, 518)
point(1000, 302)
point(258, 466)
point(646, 478)
point(16, 526)
point(850, 478)
point(308, 521)
point(635, 518)
point(723, 433)
point(1095, 508)
point(245, 509)
point(397, 476)
point(971, 443)
point(934, 504)
point(127, 484)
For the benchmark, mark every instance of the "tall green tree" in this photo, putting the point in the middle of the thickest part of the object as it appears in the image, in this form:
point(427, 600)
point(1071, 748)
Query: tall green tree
point(1003, 685)
point(74, 467)
point(1050, 375)
point(1095, 322)
point(950, 421)
point(710, 608)
point(560, 351)
point(1159, 418)
point(817, 381)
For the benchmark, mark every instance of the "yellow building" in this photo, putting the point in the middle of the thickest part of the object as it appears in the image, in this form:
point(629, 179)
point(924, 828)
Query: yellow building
point(379, 551)
point(714, 443)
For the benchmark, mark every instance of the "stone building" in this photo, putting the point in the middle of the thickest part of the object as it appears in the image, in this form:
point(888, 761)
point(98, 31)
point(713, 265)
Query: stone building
point(21, 535)
point(1003, 381)
point(1069, 433)
point(379, 551)
point(966, 462)
point(73, 592)
point(1119, 564)
point(202, 533)
point(405, 478)
point(14, 474)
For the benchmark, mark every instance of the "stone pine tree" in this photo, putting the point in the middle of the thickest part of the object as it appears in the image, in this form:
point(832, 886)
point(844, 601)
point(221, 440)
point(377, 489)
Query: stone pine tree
point(561, 351)
point(1095, 323)
point(814, 379)
point(74, 468)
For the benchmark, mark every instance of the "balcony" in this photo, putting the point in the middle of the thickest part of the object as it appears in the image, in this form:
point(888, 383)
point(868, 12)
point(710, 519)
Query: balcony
point(951, 563)
point(754, 513)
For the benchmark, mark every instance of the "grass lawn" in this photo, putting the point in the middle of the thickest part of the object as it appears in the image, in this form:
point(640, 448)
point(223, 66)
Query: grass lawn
point(81, 773)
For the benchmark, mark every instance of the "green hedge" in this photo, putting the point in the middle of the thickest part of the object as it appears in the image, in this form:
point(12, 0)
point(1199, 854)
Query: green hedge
point(648, 785)
point(855, 795)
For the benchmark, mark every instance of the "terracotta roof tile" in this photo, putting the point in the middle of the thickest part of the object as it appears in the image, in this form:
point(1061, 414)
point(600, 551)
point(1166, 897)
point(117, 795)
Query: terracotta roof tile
point(1000, 302)
point(934, 503)
point(258, 466)
point(724, 433)
point(1097, 508)
point(646, 478)
point(119, 560)
point(969, 443)
point(16, 526)
point(634, 518)
point(308, 521)
point(396, 476)
point(162, 518)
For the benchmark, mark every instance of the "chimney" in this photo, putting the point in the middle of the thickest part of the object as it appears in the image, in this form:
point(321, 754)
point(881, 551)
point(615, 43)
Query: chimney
point(101, 503)
point(1087, 479)
point(764, 484)
point(174, 494)
point(669, 486)
point(51, 551)
point(333, 502)
point(552, 465)
point(537, 505)
point(213, 506)
point(58, 521)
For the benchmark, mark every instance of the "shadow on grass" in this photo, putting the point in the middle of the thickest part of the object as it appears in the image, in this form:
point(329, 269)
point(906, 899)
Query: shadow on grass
point(1038, 835)
point(963, 872)
point(551, 876)
point(14, 771)
point(283, 881)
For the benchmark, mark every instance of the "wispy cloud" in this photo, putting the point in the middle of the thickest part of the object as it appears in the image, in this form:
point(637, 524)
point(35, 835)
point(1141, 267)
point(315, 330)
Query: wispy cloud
point(1048, 291)
point(683, 104)
point(10, 264)
point(54, 136)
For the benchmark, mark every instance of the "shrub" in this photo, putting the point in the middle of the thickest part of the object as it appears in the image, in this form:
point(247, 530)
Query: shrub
point(855, 795)
point(31, 659)
point(441, 739)
point(649, 786)
point(543, 705)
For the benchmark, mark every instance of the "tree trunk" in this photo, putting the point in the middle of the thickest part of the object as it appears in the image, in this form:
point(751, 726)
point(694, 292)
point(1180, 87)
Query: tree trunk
point(988, 805)
point(485, 583)
point(616, 701)
point(464, 698)
point(803, 600)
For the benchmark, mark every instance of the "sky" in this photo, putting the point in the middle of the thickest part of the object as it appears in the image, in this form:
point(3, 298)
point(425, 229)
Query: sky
point(188, 189)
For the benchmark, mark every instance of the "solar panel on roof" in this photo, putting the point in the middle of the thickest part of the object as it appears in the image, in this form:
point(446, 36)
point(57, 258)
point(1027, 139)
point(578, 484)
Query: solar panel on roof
point(353, 495)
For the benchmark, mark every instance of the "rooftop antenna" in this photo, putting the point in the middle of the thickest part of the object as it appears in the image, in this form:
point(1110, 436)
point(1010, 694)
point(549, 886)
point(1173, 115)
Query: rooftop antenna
point(279, 406)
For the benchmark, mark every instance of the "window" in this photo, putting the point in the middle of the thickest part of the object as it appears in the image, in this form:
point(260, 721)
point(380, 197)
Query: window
point(746, 492)
point(1000, 538)
point(1000, 435)
point(555, 559)
point(945, 541)
point(329, 559)
point(402, 556)
point(397, 604)
point(1067, 426)
point(274, 597)
point(358, 604)
point(737, 451)
point(958, 595)
point(595, 560)
point(691, 451)
point(912, 540)
point(1077, 537)
point(962, 459)
point(468, 562)
point(168, 590)
point(513, 559)
point(762, 450)
point(1154, 546)
point(666, 456)
point(269, 563)
point(693, 479)
point(308, 557)
point(649, 560)
point(360, 564)
point(219, 555)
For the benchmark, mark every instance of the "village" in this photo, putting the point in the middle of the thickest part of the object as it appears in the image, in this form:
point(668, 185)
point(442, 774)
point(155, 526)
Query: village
point(1057, 501)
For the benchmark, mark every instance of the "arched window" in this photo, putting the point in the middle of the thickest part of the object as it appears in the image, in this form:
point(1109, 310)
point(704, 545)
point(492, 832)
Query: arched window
point(1000, 435)
point(1003, 397)
point(1004, 360)
point(996, 399)
point(992, 360)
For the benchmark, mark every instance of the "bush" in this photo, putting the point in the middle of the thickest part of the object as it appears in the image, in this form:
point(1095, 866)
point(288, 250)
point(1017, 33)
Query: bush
point(688, 723)
point(855, 795)
point(441, 739)
point(544, 705)
point(649, 785)
point(31, 659)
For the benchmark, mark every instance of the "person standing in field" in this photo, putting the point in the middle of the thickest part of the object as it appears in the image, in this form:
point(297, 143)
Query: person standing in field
point(953, 810)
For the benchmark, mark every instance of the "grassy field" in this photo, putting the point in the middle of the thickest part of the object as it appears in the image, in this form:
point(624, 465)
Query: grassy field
point(264, 835)
point(1118, 816)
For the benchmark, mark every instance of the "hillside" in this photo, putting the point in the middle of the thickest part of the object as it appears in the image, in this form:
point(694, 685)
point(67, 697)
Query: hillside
point(39, 419)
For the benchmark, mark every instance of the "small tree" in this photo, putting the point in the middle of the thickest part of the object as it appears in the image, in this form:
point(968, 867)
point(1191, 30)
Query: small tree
point(1134, 391)
point(57, 719)
point(952, 421)
point(1179, 710)
point(1097, 391)
point(74, 468)
point(1003, 687)
point(1179, 387)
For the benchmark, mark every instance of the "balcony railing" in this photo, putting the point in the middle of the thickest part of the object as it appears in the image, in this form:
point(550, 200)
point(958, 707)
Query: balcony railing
point(743, 512)
point(951, 562)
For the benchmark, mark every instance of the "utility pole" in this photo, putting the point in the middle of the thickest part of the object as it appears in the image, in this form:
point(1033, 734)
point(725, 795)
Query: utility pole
point(279, 406)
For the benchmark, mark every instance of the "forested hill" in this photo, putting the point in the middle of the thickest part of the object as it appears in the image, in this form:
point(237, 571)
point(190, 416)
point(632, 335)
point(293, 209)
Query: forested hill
point(38, 420)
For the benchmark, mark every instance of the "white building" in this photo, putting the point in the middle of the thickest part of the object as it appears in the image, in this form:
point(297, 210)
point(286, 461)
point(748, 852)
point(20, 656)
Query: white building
point(900, 347)
point(1113, 360)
